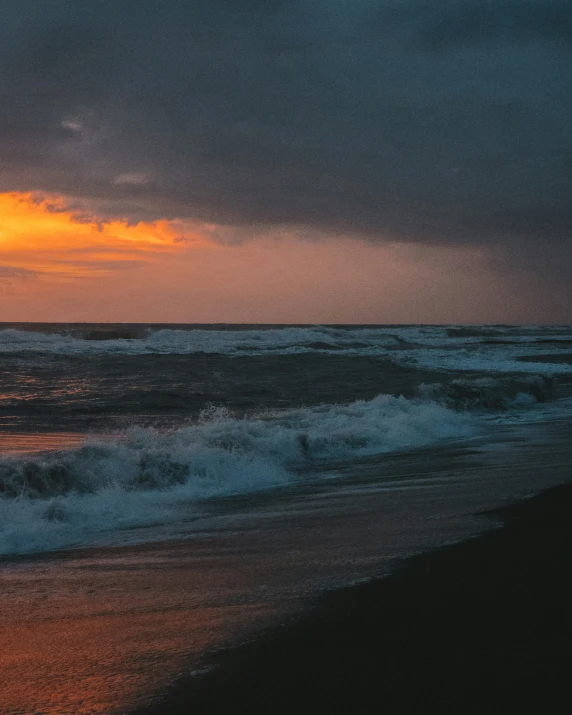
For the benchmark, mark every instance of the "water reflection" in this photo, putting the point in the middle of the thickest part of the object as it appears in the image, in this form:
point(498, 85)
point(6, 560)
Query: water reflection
point(94, 631)
point(93, 635)
point(22, 442)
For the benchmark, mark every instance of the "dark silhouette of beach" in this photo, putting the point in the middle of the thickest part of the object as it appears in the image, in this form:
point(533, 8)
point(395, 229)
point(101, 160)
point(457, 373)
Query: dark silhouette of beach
point(483, 626)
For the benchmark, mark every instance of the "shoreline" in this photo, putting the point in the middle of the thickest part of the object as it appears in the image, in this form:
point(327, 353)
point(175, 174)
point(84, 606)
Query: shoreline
point(110, 629)
point(483, 625)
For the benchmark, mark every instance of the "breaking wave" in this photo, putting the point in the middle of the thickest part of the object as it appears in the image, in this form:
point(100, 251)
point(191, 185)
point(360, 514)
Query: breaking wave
point(145, 476)
point(209, 341)
point(477, 348)
point(491, 393)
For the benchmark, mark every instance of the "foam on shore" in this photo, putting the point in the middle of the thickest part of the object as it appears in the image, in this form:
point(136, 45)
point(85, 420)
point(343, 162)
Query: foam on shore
point(142, 476)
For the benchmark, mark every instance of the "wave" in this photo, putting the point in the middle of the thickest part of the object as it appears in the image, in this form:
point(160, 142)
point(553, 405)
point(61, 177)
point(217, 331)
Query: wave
point(145, 476)
point(453, 348)
point(193, 341)
point(490, 393)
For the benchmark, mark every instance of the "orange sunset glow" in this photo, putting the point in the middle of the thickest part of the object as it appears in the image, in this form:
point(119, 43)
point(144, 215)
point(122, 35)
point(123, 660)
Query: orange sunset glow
point(59, 263)
point(41, 236)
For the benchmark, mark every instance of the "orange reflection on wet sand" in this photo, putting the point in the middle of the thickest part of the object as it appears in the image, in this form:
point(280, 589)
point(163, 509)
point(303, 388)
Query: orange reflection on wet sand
point(99, 631)
point(102, 633)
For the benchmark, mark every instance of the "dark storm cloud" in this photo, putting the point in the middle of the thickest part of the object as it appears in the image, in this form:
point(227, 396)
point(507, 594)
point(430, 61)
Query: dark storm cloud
point(435, 121)
point(445, 23)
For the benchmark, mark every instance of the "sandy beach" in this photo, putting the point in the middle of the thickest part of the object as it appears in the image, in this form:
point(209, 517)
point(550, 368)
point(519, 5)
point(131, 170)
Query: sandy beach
point(134, 560)
point(483, 626)
point(109, 629)
point(285, 357)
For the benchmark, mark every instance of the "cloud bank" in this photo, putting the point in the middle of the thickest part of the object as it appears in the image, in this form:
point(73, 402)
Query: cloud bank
point(438, 121)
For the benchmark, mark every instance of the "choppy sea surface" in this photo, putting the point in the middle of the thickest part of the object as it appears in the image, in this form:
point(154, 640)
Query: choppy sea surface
point(107, 429)
point(167, 490)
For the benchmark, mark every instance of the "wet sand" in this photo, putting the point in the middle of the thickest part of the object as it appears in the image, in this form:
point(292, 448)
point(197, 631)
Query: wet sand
point(103, 630)
point(484, 626)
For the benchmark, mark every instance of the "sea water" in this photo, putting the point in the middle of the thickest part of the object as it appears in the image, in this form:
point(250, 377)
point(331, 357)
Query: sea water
point(183, 469)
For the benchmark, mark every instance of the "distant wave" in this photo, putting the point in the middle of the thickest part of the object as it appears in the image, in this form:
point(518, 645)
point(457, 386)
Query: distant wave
point(227, 342)
point(432, 347)
point(145, 476)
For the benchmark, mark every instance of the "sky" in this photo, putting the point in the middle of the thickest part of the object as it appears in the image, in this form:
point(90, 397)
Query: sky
point(286, 161)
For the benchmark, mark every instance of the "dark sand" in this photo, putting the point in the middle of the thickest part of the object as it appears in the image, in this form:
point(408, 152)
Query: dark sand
point(483, 626)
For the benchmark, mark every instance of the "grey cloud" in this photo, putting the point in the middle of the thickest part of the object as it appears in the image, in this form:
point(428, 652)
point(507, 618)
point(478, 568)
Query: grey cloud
point(446, 24)
point(330, 115)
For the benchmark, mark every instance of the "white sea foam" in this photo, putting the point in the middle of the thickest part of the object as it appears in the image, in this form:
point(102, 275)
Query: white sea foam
point(497, 359)
point(282, 340)
point(491, 393)
point(227, 342)
point(145, 476)
point(480, 349)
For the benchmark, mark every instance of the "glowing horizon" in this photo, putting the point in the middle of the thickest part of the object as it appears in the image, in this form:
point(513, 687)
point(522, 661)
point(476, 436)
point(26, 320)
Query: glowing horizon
point(41, 235)
point(60, 264)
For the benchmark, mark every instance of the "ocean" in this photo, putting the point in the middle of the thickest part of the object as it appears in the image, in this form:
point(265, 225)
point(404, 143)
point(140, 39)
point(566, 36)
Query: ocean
point(167, 490)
